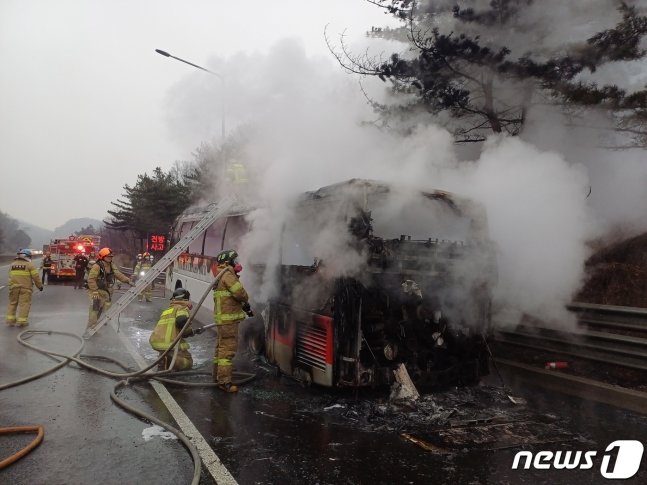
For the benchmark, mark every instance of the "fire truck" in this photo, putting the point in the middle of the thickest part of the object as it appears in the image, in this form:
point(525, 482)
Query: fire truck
point(62, 252)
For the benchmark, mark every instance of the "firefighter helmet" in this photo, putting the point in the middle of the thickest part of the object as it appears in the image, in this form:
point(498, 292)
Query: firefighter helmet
point(139, 257)
point(105, 252)
point(181, 294)
point(146, 255)
point(227, 256)
point(25, 252)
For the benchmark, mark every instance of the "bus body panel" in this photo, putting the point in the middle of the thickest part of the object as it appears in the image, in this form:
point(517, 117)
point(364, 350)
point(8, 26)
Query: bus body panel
point(421, 296)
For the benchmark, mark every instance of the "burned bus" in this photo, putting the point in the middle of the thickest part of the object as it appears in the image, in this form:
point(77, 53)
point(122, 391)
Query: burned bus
point(366, 276)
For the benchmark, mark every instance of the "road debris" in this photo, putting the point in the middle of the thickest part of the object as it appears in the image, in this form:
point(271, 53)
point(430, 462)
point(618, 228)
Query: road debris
point(425, 445)
point(403, 388)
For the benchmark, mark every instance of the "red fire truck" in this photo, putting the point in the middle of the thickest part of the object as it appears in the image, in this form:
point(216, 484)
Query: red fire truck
point(62, 252)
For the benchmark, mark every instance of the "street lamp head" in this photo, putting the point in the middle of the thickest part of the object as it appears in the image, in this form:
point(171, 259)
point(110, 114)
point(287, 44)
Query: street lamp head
point(219, 76)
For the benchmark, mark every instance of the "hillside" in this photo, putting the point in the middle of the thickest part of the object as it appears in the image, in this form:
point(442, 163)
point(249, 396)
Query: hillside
point(74, 225)
point(40, 236)
point(617, 274)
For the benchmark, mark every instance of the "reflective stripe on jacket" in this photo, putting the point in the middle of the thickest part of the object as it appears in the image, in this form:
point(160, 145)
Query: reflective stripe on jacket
point(236, 173)
point(145, 266)
point(23, 274)
point(166, 331)
point(228, 297)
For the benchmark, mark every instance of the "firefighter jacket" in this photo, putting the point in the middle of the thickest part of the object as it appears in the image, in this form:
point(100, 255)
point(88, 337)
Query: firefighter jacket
point(46, 263)
point(236, 174)
point(228, 297)
point(81, 262)
point(23, 274)
point(167, 329)
point(102, 276)
point(142, 266)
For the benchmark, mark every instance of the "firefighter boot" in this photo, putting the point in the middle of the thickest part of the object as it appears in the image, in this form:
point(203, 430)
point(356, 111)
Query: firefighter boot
point(164, 363)
point(228, 387)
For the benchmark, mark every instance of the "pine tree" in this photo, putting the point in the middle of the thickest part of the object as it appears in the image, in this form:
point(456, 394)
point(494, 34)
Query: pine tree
point(486, 63)
point(151, 205)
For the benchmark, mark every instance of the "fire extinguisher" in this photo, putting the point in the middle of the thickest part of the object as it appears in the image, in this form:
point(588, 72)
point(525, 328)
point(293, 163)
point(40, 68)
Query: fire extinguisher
point(556, 365)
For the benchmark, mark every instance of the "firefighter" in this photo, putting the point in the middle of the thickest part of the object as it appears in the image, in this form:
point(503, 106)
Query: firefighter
point(151, 259)
point(170, 323)
point(100, 281)
point(46, 267)
point(141, 268)
point(80, 264)
point(231, 303)
point(22, 276)
point(236, 177)
point(92, 260)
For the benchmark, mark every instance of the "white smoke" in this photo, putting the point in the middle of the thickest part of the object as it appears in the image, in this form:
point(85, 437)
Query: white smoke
point(311, 130)
point(540, 221)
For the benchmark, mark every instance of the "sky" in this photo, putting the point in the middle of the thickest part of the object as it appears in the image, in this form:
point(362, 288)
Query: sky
point(87, 104)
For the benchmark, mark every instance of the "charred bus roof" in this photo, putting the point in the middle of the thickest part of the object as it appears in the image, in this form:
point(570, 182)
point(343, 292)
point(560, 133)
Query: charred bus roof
point(359, 191)
point(364, 193)
point(388, 211)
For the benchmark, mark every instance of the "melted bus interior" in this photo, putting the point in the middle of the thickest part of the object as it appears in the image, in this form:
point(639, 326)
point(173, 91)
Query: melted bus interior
point(371, 277)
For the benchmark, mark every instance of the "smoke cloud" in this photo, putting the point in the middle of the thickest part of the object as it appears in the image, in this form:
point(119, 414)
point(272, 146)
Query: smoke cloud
point(312, 127)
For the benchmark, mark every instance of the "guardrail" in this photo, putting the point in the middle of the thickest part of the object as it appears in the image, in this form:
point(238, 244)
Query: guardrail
point(604, 358)
point(614, 335)
point(158, 283)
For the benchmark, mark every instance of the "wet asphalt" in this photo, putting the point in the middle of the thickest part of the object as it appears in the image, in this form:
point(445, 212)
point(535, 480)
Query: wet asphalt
point(274, 430)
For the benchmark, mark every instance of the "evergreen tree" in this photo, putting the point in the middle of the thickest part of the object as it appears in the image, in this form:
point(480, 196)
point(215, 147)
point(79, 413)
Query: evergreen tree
point(485, 62)
point(151, 205)
point(89, 231)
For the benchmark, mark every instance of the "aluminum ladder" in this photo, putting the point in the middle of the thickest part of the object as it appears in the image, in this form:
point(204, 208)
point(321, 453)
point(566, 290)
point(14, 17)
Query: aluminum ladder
point(219, 209)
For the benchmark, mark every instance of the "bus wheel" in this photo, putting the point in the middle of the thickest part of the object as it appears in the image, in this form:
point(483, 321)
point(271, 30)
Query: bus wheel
point(256, 344)
point(255, 336)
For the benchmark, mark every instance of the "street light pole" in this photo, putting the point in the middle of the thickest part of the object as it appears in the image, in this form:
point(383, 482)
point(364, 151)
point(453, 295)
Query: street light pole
point(219, 76)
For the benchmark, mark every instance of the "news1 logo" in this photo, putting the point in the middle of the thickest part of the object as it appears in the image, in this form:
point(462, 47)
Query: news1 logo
point(627, 453)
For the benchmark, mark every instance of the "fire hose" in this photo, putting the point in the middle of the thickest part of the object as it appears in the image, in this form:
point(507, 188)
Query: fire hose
point(136, 376)
point(40, 433)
